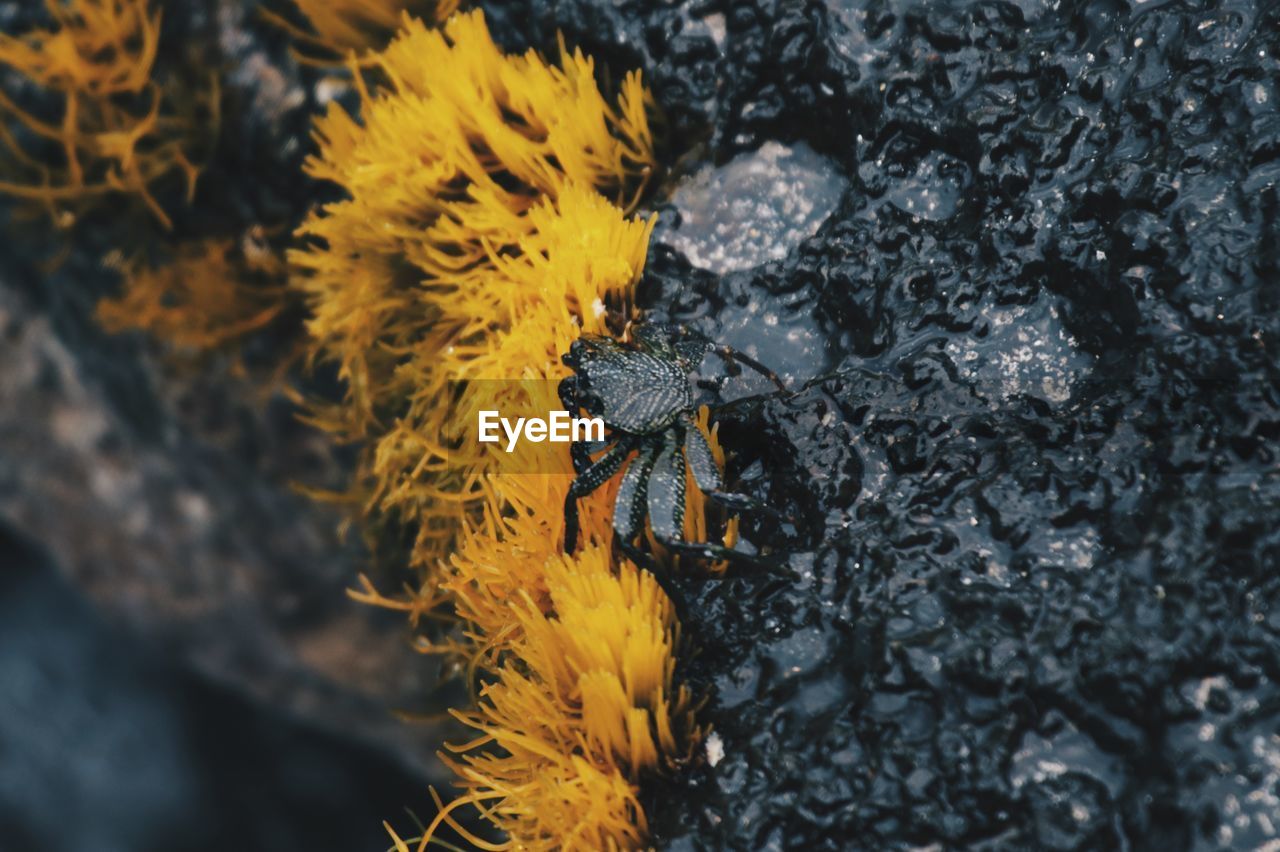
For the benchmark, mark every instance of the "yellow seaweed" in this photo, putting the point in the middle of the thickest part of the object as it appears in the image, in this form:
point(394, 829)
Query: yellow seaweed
point(583, 703)
point(115, 136)
point(212, 292)
point(474, 243)
point(338, 27)
point(484, 228)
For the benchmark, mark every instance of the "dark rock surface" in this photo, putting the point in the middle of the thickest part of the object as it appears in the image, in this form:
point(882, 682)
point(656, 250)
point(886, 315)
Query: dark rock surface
point(1034, 470)
point(184, 529)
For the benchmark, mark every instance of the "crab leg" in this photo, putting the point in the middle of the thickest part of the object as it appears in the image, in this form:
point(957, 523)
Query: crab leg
point(629, 506)
point(733, 356)
point(595, 475)
point(568, 391)
point(635, 496)
point(705, 472)
point(666, 513)
point(666, 491)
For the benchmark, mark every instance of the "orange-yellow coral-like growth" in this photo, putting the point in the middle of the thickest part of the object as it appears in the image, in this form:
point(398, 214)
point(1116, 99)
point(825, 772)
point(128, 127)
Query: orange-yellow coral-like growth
point(583, 704)
point(474, 243)
point(579, 654)
point(98, 57)
point(212, 292)
point(581, 700)
point(341, 26)
point(485, 228)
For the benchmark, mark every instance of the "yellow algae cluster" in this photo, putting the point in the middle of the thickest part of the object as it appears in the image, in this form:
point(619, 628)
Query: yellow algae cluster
point(581, 704)
point(341, 26)
point(484, 228)
point(211, 292)
point(97, 57)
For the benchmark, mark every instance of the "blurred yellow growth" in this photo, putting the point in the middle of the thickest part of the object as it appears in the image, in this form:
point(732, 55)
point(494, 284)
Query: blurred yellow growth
point(211, 293)
point(340, 26)
point(474, 243)
point(98, 57)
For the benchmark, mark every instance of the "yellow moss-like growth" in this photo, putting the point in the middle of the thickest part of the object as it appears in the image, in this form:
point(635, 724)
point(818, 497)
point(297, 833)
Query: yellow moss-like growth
point(582, 700)
point(485, 228)
point(474, 244)
point(98, 56)
point(583, 252)
point(501, 558)
point(341, 26)
point(582, 704)
point(578, 654)
point(212, 292)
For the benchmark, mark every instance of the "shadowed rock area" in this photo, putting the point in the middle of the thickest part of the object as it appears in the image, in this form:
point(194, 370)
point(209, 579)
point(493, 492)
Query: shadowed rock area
point(180, 667)
point(109, 746)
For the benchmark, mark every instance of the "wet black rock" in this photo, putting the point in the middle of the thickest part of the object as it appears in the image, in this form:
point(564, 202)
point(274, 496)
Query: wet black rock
point(1032, 451)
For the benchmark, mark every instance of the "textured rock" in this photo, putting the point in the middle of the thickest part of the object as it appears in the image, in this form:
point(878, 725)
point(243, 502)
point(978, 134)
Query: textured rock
point(755, 208)
point(1033, 476)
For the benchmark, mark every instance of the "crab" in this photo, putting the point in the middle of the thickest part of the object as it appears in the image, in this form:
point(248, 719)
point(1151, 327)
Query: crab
point(642, 392)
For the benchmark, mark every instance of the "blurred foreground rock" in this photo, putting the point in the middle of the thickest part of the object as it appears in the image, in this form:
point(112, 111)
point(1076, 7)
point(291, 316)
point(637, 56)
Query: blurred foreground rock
point(110, 745)
point(214, 564)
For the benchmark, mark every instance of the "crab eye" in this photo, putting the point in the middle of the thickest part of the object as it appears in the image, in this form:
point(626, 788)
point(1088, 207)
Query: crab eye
point(574, 356)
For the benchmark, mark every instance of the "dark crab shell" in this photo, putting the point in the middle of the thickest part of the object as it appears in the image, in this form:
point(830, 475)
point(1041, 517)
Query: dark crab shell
point(631, 389)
